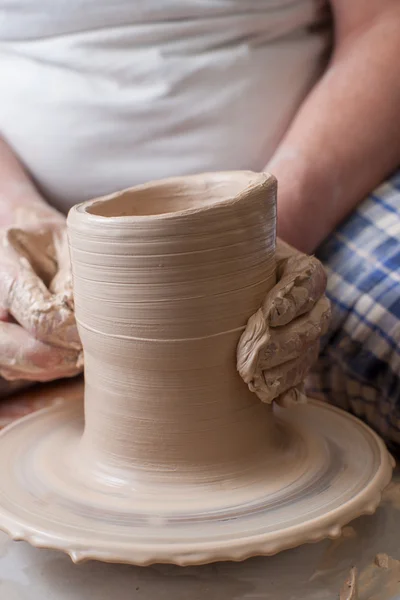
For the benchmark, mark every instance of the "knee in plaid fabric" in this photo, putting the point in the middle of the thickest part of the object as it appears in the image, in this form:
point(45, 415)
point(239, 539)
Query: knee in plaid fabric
point(359, 367)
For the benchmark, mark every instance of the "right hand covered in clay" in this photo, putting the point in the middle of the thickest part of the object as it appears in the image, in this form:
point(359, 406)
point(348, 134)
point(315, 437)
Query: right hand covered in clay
point(39, 340)
point(281, 340)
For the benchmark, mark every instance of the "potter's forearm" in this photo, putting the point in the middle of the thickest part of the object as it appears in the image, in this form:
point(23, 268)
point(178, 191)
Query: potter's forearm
point(346, 137)
point(17, 191)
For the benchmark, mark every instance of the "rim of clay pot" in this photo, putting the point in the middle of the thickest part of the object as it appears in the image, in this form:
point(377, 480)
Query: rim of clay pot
point(234, 193)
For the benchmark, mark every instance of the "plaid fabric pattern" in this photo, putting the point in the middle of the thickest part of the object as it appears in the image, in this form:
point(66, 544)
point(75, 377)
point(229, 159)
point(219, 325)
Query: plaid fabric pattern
point(359, 366)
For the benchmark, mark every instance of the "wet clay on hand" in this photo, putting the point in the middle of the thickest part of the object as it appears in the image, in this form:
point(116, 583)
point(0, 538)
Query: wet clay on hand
point(281, 340)
point(38, 334)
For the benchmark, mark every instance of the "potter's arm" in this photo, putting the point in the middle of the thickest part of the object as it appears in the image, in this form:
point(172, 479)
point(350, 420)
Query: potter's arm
point(18, 195)
point(346, 137)
point(281, 340)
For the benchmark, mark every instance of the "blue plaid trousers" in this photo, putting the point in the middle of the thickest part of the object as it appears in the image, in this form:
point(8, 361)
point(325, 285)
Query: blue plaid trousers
point(359, 366)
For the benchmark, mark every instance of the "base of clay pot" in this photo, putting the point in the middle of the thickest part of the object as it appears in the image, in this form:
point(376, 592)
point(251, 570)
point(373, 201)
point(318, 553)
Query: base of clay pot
point(329, 469)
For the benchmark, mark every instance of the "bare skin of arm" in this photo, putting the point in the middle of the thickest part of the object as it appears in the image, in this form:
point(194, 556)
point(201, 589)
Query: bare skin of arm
point(18, 195)
point(346, 136)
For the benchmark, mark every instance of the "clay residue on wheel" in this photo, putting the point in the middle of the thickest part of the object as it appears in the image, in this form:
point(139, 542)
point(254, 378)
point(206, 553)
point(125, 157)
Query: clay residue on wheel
point(349, 589)
point(380, 579)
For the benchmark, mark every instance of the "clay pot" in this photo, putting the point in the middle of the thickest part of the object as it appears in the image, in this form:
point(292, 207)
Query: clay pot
point(166, 276)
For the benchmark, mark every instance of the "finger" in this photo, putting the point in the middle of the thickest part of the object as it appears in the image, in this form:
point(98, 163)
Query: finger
point(251, 343)
point(61, 284)
point(292, 396)
point(23, 357)
point(271, 383)
point(301, 283)
point(4, 316)
point(61, 287)
point(292, 340)
point(263, 347)
point(45, 316)
point(284, 250)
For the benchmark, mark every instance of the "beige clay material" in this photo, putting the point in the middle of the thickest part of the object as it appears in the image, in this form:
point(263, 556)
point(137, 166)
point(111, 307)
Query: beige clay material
point(281, 340)
point(36, 296)
point(45, 287)
point(161, 299)
point(174, 459)
point(349, 590)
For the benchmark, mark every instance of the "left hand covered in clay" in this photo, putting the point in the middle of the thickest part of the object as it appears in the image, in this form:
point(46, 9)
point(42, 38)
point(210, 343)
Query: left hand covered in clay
point(39, 340)
point(281, 340)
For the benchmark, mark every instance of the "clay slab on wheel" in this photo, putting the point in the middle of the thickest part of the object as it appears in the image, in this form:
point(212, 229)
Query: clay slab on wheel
point(172, 458)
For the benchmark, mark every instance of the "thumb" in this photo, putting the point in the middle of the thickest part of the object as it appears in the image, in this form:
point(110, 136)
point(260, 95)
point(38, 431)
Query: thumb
point(302, 282)
point(61, 284)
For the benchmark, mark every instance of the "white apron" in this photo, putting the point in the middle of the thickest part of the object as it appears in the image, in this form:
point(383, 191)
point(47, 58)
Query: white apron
point(98, 95)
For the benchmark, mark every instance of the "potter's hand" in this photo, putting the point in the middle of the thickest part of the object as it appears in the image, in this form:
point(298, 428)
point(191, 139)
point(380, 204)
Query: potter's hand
point(281, 340)
point(38, 336)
